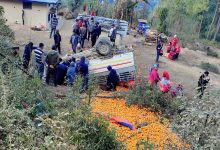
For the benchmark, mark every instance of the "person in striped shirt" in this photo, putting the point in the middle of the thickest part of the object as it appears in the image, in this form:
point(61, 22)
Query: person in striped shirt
point(53, 25)
point(39, 59)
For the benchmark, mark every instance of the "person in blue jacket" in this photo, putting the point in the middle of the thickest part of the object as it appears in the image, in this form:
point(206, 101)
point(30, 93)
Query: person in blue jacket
point(61, 73)
point(82, 70)
point(27, 54)
point(113, 79)
point(74, 40)
point(71, 73)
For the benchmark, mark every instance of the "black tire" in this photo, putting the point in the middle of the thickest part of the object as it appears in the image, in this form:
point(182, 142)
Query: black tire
point(103, 46)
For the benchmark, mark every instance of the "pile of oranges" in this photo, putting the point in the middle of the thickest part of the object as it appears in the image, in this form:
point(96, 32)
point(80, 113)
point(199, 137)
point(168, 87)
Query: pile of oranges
point(154, 127)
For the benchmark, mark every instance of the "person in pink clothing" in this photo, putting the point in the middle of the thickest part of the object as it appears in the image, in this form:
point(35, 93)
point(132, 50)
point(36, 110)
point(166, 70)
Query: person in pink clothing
point(165, 82)
point(153, 77)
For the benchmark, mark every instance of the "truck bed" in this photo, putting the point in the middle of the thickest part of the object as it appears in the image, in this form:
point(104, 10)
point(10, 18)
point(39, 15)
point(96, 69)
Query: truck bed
point(123, 63)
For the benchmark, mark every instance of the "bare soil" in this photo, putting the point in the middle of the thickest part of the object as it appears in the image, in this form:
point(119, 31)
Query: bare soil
point(184, 71)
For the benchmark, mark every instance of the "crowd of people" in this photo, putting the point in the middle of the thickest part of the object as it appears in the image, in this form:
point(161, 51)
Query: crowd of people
point(84, 29)
point(173, 50)
point(51, 67)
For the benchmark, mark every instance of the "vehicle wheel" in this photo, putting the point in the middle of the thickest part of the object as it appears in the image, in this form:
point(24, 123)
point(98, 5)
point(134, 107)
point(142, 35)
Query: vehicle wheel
point(103, 46)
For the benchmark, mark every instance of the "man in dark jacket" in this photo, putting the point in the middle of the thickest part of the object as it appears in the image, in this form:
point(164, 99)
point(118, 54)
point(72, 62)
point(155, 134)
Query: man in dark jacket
point(76, 27)
point(90, 27)
point(202, 83)
point(113, 79)
point(82, 69)
point(95, 33)
point(158, 50)
point(52, 60)
point(27, 54)
point(99, 29)
point(57, 41)
point(61, 73)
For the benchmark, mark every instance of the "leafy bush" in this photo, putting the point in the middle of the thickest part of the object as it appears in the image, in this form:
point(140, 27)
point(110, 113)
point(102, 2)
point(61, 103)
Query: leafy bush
point(90, 133)
point(199, 123)
point(63, 126)
point(212, 53)
point(143, 95)
point(209, 67)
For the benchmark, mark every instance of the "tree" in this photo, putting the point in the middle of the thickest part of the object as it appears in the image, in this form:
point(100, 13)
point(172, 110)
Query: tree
point(163, 13)
point(73, 4)
point(217, 29)
point(213, 19)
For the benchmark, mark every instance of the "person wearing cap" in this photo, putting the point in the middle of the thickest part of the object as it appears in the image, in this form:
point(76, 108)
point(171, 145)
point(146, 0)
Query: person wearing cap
point(202, 83)
point(71, 73)
point(113, 79)
point(112, 33)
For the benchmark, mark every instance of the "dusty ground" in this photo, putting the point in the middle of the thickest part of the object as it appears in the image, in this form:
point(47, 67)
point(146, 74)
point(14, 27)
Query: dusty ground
point(184, 71)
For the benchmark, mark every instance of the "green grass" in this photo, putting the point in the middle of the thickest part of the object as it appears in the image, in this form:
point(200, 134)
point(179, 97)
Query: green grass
point(212, 53)
point(209, 67)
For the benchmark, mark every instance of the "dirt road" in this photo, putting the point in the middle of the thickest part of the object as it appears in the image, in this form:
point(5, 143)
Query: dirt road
point(183, 71)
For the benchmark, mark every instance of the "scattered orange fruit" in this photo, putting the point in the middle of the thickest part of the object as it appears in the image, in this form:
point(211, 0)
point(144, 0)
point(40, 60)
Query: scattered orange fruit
point(156, 131)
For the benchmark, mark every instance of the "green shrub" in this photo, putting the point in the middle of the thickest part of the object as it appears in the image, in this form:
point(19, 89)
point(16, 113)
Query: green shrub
point(209, 67)
point(212, 53)
point(145, 96)
point(90, 133)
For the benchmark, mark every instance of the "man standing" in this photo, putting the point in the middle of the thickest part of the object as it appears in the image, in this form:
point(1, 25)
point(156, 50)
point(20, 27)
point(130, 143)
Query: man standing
point(94, 34)
point(83, 34)
point(90, 26)
point(82, 69)
point(74, 40)
point(76, 27)
point(158, 49)
point(52, 59)
point(39, 58)
point(202, 83)
point(112, 80)
point(112, 33)
point(53, 24)
point(27, 54)
point(57, 41)
point(99, 29)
